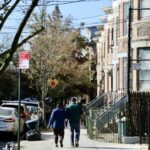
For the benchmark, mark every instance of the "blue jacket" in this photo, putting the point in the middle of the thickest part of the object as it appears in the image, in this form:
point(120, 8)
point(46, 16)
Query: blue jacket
point(57, 118)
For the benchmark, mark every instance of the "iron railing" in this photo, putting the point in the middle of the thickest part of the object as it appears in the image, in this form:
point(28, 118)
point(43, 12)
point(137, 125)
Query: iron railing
point(97, 102)
point(112, 110)
point(101, 122)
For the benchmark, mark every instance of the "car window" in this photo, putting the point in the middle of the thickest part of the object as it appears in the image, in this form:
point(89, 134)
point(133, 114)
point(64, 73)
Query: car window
point(32, 109)
point(31, 104)
point(14, 106)
point(5, 112)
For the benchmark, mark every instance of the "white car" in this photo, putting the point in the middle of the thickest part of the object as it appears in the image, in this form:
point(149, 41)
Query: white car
point(23, 109)
point(9, 121)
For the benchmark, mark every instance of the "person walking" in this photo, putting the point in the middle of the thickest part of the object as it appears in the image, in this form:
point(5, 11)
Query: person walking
point(57, 121)
point(74, 112)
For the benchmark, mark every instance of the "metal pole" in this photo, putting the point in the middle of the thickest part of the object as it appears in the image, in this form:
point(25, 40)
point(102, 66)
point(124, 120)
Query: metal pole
point(128, 64)
point(129, 51)
point(19, 103)
point(148, 124)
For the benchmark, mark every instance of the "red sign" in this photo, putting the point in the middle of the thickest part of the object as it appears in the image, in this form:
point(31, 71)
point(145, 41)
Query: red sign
point(23, 60)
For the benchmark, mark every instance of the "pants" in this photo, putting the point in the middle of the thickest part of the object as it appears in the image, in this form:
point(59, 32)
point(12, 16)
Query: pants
point(75, 133)
point(60, 133)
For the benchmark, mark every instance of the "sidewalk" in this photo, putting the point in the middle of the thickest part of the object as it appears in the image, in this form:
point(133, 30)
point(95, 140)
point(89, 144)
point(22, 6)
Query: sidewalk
point(85, 144)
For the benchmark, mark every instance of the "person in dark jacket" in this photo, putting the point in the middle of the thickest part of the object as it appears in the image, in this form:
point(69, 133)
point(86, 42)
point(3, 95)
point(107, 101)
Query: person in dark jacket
point(74, 112)
point(57, 121)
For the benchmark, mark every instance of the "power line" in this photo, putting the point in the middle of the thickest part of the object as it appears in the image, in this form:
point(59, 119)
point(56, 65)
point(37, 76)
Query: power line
point(95, 23)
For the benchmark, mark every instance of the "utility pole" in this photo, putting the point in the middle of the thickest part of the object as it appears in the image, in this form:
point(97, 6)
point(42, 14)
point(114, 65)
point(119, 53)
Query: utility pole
point(129, 51)
point(148, 124)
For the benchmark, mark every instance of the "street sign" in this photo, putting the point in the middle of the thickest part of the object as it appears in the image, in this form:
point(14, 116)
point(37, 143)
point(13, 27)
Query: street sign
point(23, 60)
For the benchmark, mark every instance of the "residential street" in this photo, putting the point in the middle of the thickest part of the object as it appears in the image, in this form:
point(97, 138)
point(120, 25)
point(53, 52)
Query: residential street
point(85, 144)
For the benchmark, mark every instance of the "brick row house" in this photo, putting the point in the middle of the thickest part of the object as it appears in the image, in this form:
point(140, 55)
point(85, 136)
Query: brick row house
point(112, 48)
point(119, 71)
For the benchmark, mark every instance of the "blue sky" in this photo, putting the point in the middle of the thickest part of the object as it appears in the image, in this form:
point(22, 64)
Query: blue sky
point(91, 9)
point(84, 10)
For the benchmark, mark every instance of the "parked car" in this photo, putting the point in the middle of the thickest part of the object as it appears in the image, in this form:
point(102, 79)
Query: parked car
point(23, 109)
point(9, 121)
point(34, 109)
point(30, 99)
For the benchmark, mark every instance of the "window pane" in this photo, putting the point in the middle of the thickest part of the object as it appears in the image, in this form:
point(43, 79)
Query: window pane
point(125, 17)
point(144, 54)
point(144, 85)
point(145, 13)
point(144, 75)
point(144, 72)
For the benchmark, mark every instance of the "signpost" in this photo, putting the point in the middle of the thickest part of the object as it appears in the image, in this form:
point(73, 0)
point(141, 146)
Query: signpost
point(23, 64)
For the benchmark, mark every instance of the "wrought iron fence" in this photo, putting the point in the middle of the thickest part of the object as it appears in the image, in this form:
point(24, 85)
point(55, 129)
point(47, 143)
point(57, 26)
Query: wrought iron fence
point(102, 122)
point(138, 115)
point(125, 117)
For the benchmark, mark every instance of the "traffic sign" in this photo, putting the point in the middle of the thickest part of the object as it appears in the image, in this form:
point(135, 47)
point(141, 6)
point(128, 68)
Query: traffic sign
point(23, 60)
point(53, 82)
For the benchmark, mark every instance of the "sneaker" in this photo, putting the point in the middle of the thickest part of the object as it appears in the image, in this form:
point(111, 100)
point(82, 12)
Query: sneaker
point(56, 145)
point(61, 144)
point(72, 145)
point(76, 144)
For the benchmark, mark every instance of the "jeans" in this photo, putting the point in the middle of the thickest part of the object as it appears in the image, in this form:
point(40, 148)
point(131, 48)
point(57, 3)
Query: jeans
point(75, 133)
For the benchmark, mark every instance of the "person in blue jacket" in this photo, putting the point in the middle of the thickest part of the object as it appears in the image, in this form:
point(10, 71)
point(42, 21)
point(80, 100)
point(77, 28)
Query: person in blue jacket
point(57, 122)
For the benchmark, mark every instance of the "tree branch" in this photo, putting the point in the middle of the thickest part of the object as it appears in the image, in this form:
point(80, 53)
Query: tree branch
point(14, 45)
point(8, 13)
point(5, 4)
point(22, 42)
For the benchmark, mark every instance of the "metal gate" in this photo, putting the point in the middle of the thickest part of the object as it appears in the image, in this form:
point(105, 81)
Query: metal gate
point(137, 124)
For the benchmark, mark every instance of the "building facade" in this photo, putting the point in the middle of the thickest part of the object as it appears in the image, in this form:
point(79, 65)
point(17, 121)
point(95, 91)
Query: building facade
point(112, 48)
point(140, 45)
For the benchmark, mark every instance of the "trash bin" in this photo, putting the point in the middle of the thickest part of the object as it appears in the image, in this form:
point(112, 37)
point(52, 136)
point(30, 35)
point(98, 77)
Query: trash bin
point(32, 124)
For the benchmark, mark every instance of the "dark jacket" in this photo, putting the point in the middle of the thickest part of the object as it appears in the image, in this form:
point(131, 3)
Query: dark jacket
point(57, 118)
point(74, 111)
